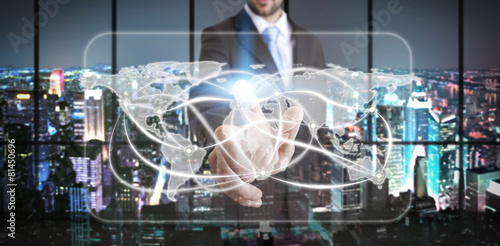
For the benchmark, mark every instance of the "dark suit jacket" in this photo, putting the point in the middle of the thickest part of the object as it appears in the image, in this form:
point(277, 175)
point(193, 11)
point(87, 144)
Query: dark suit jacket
point(236, 42)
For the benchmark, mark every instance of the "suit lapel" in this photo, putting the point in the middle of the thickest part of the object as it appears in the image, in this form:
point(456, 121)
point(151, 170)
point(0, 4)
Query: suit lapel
point(252, 42)
point(299, 45)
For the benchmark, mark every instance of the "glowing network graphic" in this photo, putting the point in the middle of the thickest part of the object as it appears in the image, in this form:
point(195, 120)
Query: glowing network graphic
point(151, 91)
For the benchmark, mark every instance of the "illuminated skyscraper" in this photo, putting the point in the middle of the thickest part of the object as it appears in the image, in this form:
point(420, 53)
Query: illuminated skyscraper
point(417, 117)
point(81, 230)
point(420, 177)
point(478, 180)
point(395, 169)
point(442, 159)
point(493, 197)
point(392, 111)
point(77, 117)
point(94, 115)
point(56, 82)
point(493, 209)
point(417, 122)
point(422, 204)
point(87, 163)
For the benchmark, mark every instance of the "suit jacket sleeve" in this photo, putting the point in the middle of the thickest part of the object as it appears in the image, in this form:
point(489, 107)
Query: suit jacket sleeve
point(213, 48)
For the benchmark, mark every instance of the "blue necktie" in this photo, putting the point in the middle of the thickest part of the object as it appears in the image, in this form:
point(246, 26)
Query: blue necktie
point(270, 36)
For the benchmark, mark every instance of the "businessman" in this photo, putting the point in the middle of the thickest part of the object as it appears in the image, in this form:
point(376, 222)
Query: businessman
point(261, 33)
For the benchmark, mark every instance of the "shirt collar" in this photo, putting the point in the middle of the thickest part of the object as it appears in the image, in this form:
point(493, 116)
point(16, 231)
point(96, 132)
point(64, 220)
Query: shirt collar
point(261, 24)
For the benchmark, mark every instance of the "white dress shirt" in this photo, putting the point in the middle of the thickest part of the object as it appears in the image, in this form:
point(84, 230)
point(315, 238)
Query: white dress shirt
point(285, 42)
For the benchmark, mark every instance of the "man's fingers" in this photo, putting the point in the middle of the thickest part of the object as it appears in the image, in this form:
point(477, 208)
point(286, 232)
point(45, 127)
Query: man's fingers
point(265, 156)
point(237, 189)
point(272, 158)
point(290, 126)
point(232, 150)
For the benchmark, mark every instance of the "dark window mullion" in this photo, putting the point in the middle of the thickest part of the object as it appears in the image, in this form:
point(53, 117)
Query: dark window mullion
point(114, 65)
point(191, 30)
point(461, 103)
point(370, 66)
point(36, 88)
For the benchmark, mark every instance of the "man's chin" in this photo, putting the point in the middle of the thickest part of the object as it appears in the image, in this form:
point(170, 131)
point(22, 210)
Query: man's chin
point(264, 9)
point(266, 12)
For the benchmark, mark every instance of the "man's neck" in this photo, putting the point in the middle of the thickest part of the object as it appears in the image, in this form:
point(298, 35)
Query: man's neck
point(273, 17)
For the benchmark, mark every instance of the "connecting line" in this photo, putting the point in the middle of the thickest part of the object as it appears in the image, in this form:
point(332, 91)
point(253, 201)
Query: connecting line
point(197, 100)
point(235, 177)
point(279, 138)
point(187, 103)
point(278, 143)
point(280, 128)
point(141, 106)
point(221, 183)
point(280, 132)
point(150, 190)
point(321, 151)
point(207, 126)
point(241, 129)
point(328, 75)
point(164, 169)
point(390, 142)
point(324, 99)
point(307, 146)
point(218, 143)
point(169, 134)
point(205, 79)
point(225, 176)
point(334, 103)
point(297, 159)
point(318, 186)
point(302, 155)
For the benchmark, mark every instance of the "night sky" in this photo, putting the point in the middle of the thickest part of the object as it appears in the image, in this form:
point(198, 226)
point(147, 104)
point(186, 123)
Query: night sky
point(430, 28)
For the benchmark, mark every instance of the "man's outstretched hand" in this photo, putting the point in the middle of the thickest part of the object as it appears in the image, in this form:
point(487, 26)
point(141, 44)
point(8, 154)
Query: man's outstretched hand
point(255, 150)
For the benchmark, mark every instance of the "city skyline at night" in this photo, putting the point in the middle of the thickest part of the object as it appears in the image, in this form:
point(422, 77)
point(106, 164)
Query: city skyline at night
point(407, 150)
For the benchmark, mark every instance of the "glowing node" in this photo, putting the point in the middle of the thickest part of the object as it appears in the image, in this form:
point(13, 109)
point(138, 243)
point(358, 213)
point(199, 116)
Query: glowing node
point(159, 112)
point(245, 95)
point(313, 125)
point(371, 109)
point(125, 104)
point(188, 151)
point(277, 93)
point(262, 174)
point(379, 178)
